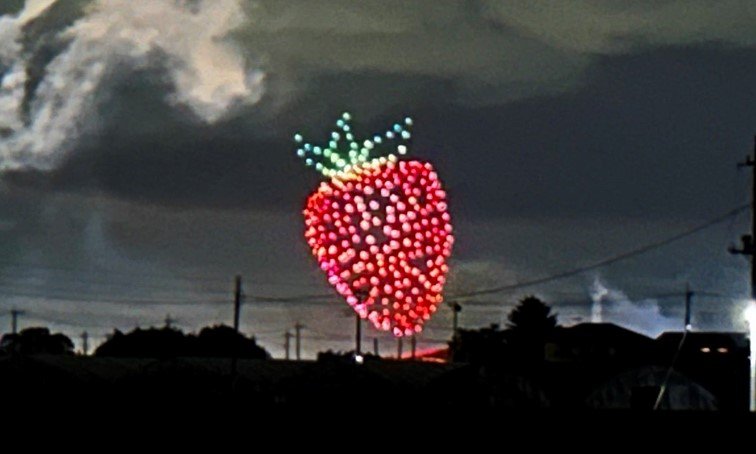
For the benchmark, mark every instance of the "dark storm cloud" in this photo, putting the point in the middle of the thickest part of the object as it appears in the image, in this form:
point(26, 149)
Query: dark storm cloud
point(645, 134)
point(522, 113)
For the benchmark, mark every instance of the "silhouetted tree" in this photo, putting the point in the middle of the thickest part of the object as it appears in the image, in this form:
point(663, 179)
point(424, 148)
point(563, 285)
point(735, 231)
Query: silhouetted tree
point(532, 317)
point(34, 341)
point(530, 324)
point(224, 341)
point(145, 343)
point(218, 341)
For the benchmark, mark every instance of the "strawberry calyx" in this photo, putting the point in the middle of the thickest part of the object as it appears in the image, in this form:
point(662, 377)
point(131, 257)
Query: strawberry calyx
point(344, 155)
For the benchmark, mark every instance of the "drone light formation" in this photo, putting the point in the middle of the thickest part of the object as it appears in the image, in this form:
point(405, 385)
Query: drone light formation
point(379, 226)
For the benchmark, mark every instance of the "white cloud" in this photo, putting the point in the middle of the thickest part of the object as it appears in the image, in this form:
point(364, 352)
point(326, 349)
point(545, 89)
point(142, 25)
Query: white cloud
point(208, 73)
point(643, 316)
point(214, 52)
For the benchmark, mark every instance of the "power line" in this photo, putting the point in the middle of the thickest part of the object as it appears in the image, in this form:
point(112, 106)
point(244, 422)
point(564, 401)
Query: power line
point(316, 299)
point(96, 292)
point(609, 261)
point(488, 304)
point(309, 298)
point(100, 270)
point(289, 299)
point(95, 300)
point(200, 276)
point(18, 275)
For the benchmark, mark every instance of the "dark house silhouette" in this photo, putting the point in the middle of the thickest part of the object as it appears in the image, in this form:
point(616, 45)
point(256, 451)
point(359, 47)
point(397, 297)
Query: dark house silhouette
point(598, 343)
point(716, 360)
point(605, 366)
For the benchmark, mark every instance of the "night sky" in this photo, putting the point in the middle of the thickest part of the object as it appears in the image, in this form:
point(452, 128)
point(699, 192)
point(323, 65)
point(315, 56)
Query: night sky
point(147, 155)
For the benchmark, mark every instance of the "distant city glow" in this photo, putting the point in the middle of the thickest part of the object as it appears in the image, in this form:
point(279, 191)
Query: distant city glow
point(380, 230)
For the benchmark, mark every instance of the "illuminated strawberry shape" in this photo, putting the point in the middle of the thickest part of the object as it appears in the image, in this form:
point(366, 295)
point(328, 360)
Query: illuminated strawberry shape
point(379, 226)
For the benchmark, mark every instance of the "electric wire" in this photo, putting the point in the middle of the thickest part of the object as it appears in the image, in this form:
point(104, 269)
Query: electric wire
point(611, 260)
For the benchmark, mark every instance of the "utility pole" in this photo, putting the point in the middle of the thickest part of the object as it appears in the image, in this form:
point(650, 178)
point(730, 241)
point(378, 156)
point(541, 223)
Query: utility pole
point(358, 335)
point(84, 343)
point(237, 309)
point(748, 249)
point(287, 343)
point(14, 319)
point(298, 339)
point(375, 346)
point(688, 301)
point(237, 302)
point(413, 345)
point(456, 309)
point(398, 348)
point(663, 388)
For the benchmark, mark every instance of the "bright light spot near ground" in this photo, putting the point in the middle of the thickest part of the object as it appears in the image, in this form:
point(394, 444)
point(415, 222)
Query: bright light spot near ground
point(750, 313)
point(750, 316)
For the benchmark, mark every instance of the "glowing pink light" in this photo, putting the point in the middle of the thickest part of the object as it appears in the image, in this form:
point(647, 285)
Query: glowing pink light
point(381, 231)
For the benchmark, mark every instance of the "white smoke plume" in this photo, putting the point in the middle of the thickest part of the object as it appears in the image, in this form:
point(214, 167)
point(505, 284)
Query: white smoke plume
point(208, 74)
point(643, 316)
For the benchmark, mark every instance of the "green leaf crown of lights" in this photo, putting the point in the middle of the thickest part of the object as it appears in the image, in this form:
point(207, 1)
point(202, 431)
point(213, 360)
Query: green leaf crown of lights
point(344, 153)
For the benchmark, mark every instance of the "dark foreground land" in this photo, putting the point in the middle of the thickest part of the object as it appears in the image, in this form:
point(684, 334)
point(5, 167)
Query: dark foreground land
point(341, 383)
point(331, 401)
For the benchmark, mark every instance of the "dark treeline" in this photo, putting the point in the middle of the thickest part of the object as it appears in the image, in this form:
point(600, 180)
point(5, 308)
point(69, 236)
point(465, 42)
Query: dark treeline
point(531, 363)
point(218, 341)
point(35, 341)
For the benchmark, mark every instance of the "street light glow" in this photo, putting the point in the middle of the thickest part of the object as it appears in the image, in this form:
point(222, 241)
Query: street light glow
point(750, 314)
